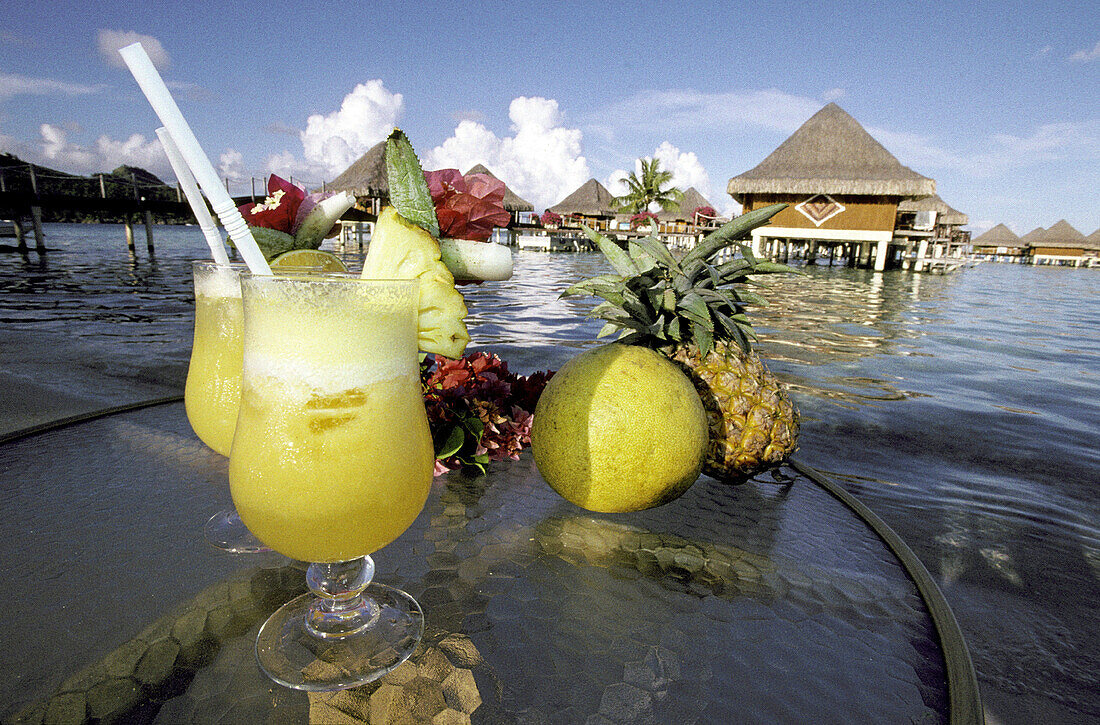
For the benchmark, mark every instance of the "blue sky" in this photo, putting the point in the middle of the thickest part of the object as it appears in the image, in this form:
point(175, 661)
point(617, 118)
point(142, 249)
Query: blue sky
point(999, 102)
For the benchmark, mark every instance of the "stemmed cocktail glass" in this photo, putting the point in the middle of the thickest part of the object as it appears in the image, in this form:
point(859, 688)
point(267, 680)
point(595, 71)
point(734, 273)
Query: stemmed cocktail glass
point(332, 459)
point(212, 393)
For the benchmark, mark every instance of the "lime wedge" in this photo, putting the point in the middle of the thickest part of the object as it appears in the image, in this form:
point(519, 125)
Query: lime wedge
point(310, 259)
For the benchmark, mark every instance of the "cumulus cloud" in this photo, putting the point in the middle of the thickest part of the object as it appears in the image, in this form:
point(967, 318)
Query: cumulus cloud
point(231, 165)
point(541, 161)
point(109, 41)
point(13, 84)
point(332, 142)
point(1087, 55)
point(58, 150)
point(834, 94)
point(687, 171)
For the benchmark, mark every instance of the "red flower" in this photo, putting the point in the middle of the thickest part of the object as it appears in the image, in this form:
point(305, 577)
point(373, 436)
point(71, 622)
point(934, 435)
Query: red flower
point(467, 207)
point(279, 210)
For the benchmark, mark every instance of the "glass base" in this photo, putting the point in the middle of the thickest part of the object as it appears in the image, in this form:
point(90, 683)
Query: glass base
point(227, 532)
point(291, 654)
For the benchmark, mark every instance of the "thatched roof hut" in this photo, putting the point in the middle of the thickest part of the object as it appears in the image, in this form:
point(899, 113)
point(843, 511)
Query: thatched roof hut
point(689, 202)
point(831, 153)
point(1032, 236)
point(998, 236)
point(366, 176)
point(944, 213)
point(1094, 239)
point(1061, 234)
point(591, 199)
point(512, 202)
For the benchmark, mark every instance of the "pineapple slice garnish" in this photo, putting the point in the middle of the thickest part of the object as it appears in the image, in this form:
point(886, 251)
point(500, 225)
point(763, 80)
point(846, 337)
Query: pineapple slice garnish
point(400, 249)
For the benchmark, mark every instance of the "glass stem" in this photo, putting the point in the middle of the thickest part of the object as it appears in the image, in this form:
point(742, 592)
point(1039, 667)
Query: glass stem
point(339, 608)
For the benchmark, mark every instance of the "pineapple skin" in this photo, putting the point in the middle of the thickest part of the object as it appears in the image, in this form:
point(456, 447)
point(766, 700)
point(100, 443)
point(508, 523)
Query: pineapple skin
point(753, 422)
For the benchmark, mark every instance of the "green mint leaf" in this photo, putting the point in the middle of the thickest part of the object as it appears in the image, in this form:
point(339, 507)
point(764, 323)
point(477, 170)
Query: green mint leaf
point(409, 191)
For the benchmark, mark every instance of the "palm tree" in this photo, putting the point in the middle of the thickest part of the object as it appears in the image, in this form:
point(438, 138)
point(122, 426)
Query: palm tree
point(648, 188)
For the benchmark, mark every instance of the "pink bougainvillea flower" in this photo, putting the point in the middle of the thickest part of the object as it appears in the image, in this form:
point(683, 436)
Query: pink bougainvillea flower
point(467, 207)
point(279, 210)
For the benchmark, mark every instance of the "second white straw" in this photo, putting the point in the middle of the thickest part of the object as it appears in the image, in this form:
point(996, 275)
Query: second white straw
point(194, 197)
point(152, 85)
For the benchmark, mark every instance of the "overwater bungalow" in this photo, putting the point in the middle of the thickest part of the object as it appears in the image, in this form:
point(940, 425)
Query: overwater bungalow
point(842, 188)
point(933, 227)
point(999, 244)
point(1031, 236)
point(366, 179)
point(1063, 245)
point(590, 204)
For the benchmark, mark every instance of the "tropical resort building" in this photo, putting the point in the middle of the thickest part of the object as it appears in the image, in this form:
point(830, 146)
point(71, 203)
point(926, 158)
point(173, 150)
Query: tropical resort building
point(591, 204)
point(1031, 236)
point(999, 244)
point(933, 227)
point(366, 179)
point(842, 188)
point(1063, 245)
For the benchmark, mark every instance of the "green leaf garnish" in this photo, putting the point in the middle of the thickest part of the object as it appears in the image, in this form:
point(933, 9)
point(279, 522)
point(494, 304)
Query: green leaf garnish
point(409, 191)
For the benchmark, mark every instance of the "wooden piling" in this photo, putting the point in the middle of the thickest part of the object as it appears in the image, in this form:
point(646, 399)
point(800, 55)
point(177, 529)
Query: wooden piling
point(20, 234)
point(149, 232)
point(130, 234)
point(39, 236)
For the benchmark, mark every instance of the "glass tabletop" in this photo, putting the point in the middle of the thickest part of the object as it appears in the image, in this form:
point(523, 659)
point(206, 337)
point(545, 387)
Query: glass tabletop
point(769, 601)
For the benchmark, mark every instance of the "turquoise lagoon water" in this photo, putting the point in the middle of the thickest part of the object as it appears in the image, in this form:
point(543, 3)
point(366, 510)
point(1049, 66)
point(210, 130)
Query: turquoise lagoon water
point(964, 409)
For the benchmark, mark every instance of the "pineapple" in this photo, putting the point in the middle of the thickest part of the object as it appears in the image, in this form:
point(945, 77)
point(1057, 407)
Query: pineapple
point(693, 311)
point(400, 249)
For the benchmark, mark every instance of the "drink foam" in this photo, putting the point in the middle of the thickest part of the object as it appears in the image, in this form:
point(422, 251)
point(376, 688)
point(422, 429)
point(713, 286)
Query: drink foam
point(217, 282)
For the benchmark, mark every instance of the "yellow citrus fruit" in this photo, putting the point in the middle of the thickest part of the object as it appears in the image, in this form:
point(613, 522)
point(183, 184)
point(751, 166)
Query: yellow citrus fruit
point(310, 259)
point(619, 428)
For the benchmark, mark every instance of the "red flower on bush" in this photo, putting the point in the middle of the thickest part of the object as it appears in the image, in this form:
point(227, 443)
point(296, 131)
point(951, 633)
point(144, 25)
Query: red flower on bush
point(478, 410)
point(704, 212)
point(643, 218)
point(550, 218)
point(467, 207)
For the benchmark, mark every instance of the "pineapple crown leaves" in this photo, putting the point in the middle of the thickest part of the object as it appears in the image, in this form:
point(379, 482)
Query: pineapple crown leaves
point(655, 300)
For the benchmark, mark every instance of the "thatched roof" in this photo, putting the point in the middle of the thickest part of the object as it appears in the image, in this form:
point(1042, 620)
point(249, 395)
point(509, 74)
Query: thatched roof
point(1032, 236)
point(1061, 234)
point(512, 202)
point(831, 154)
point(998, 236)
point(690, 201)
point(591, 199)
point(366, 176)
point(944, 213)
point(1094, 238)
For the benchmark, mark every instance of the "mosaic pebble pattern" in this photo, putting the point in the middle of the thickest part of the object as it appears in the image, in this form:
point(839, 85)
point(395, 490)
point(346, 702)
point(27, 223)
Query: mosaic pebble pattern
point(764, 602)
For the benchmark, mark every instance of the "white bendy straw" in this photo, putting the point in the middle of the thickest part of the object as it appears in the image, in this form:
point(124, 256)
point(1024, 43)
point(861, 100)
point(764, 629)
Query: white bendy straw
point(194, 197)
point(152, 85)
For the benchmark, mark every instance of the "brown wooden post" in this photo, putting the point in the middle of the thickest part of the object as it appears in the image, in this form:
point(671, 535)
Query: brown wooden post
point(20, 233)
point(149, 232)
point(39, 236)
point(130, 234)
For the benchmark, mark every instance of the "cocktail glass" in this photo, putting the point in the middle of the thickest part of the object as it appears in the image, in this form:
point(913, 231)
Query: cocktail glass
point(213, 390)
point(332, 459)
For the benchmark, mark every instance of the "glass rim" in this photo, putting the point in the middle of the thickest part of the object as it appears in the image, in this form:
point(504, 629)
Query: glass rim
point(309, 274)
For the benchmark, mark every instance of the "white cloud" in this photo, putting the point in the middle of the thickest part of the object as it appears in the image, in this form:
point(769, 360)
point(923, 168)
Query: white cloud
point(687, 172)
point(998, 152)
point(13, 84)
point(231, 165)
point(333, 142)
point(540, 162)
point(1086, 55)
point(57, 148)
point(834, 94)
point(134, 151)
point(688, 109)
point(109, 42)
